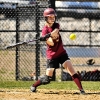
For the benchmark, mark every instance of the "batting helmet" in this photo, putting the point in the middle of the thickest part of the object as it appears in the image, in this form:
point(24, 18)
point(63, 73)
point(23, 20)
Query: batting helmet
point(48, 12)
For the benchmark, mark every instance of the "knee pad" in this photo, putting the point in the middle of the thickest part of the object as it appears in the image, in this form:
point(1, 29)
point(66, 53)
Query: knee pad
point(45, 79)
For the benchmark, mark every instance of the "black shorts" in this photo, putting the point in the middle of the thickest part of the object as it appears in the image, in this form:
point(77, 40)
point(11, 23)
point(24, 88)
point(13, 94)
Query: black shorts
point(54, 63)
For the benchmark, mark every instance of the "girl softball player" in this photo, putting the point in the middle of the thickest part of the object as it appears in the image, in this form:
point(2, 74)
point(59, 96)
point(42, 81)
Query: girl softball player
point(55, 53)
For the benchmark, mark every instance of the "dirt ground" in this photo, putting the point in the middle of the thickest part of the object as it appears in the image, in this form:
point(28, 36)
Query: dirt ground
point(42, 94)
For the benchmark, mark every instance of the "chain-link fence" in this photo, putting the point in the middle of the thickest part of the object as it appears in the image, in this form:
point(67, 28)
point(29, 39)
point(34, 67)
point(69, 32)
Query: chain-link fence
point(22, 26)
point(24, 22)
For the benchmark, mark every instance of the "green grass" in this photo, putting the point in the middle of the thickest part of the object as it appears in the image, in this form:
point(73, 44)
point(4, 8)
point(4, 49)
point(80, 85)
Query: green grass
point(88, 85)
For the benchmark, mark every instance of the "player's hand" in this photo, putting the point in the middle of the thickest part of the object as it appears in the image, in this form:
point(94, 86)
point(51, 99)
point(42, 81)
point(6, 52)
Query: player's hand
point(55, 37)
point(50, 41)
point(55, 34)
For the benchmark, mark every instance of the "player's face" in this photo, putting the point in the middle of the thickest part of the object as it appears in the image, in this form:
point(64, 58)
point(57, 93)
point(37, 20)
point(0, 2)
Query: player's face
point(51, 19)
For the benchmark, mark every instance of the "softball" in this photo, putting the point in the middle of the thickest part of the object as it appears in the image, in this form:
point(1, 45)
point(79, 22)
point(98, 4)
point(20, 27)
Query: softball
point(72, 36)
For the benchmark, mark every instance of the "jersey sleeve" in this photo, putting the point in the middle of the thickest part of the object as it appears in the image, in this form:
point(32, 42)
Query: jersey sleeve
point(57, 25)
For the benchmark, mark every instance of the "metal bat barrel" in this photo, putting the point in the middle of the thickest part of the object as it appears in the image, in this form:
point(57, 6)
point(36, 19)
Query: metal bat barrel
point(20, 43)
point(15, 45)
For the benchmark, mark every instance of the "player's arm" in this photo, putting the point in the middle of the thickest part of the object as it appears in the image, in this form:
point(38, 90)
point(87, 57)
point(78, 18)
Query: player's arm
point(50, 42)
point(55, 33)
point(48, 39)
point(54, 36)
point(44, 38)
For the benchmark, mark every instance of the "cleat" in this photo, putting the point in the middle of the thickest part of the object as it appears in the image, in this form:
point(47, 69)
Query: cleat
point(33, 89)
point(82, 92)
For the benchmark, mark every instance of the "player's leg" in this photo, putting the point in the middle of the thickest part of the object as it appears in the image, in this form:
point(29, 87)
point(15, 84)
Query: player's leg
point(51, 65)
point(68, 66)
point(43, 80)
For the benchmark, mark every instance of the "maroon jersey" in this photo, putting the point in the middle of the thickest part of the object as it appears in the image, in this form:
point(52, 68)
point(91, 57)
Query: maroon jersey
point(56, 50)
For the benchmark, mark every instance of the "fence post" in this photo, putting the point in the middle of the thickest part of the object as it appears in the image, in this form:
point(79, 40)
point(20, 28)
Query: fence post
point(51, 3)
point(37, 42)
point(17, 40)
